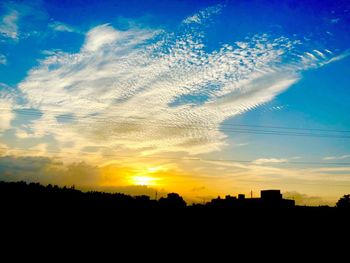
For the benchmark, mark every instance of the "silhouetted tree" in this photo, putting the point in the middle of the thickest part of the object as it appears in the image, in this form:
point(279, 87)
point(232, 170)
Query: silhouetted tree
point(344, 202)
point(173, 200)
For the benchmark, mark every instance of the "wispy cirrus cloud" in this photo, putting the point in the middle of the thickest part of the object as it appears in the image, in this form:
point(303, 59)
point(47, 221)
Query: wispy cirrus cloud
point(341, 157)
point(6, 105)
point(270, 160)
point(62, 27)
point(21, 20)
point(203, 15)
point(154, 91)
point(3, 59)
point(8, 25)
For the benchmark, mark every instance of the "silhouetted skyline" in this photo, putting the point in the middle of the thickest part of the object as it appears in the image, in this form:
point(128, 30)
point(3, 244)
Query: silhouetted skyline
point(22, 195)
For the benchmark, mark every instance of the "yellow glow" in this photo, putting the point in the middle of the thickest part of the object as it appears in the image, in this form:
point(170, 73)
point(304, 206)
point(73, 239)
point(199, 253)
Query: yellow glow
point(154, 169)
point(143, 180)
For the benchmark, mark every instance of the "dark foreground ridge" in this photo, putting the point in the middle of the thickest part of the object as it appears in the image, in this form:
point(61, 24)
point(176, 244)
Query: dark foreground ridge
point(34, 197)
point(49, 212)
point(33, 200)
point(23, 196)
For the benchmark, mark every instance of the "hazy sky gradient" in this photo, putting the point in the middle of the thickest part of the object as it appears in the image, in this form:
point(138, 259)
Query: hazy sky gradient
point(203, 98)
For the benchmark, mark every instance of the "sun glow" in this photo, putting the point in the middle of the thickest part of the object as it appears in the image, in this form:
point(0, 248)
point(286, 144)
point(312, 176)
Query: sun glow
point(143, 180)
point(146, 176)
point(154, 169)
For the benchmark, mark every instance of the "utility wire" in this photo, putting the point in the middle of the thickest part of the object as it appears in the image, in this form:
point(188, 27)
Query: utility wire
point(186, 158)
point(68, 116)
point(179, 125)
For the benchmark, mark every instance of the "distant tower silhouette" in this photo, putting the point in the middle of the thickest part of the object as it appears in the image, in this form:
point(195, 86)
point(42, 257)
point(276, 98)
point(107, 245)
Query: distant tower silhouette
point(251, 193)
point(156, 195)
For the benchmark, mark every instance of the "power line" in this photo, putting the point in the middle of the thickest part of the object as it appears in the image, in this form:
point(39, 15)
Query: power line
point(65, 115)
point(179, 125)
point(186, 158)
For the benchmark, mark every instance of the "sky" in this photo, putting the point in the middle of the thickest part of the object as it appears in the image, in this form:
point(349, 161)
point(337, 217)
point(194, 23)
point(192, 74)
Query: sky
point(202, 98)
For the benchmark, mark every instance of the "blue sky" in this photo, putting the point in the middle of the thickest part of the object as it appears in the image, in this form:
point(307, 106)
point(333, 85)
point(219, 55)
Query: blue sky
point(127, 84)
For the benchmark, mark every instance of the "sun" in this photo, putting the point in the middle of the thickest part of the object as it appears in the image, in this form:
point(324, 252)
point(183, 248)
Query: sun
point(147, 176)
point(143, 180)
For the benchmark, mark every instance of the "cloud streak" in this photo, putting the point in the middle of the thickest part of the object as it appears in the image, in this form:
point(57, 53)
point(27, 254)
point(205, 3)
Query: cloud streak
point(8, 25)
point(62, 27)
point(203, 15)
point(6, 105)
point(270, 160)
point(3, 59)
point(19, 19)
point(342, 157)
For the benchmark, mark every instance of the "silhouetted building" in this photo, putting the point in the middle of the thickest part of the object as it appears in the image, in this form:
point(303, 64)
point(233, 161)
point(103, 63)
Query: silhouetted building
point(273, 198)
point(269, 199)
point(271, 195)
point(230, 198)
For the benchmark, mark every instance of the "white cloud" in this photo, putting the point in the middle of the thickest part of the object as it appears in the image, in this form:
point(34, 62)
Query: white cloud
point(101, 36)
point(8, 25)
point(319, 53)
point(203, 15)
point(270, 160)
point(135, 89)
point(6, 104)
point(62, 27)
point(3, 59)
point(328, 158)
point(345, 54)
point(6, 116)
point(20, 19)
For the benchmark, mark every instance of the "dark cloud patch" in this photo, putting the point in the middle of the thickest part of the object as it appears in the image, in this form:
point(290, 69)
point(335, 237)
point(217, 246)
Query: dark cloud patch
point(303, 199)
point(46, 170)
point(82, 175)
